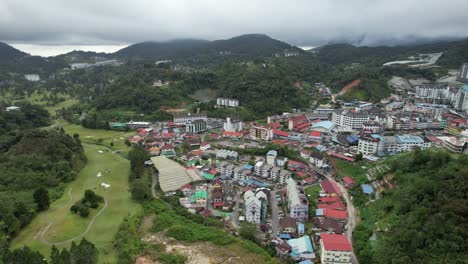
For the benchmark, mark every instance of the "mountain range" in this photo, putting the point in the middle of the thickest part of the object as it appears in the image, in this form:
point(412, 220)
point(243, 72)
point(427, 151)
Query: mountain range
point(260, 45)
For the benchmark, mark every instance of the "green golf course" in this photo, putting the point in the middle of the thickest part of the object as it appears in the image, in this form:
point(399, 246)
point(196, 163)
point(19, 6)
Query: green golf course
point(59, 226)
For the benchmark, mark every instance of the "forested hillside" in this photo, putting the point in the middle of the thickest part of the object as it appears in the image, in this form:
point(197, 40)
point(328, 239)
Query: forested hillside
point(34, 164)
point(7, 52)
point(422, 219)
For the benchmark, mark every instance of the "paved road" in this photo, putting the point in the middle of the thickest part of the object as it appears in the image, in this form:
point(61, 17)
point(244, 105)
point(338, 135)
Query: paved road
point(235, 213)
point(274, 212)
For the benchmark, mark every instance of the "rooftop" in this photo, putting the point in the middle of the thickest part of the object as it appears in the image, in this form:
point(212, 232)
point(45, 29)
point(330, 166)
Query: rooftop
point(171, 175)
point(325, 124)
point(409, 139)
point(301, 245)
point(335, 242)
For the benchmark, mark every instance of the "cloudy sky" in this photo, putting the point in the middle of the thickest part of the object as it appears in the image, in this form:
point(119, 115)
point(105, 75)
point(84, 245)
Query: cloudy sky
point(107, 23)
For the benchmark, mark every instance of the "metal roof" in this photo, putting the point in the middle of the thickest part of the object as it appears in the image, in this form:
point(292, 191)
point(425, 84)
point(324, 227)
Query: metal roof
point(171, 175)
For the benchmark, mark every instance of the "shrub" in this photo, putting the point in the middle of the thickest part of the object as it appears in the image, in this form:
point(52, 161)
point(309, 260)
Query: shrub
point(172, 259)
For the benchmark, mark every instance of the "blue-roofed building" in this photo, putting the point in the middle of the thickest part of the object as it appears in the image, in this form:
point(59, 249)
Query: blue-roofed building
point(367, 189)
point(324, 126)
point(307, 261)
point(352, 139)
point(301, 248)
point(409, 139)
point(320, 147)
point(285, 236)
point(248, 167)
point(319, 212)
point(300, 228)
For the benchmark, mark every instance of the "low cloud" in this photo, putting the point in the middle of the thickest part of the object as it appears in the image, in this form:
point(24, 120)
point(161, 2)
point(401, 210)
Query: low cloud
point(300, 22)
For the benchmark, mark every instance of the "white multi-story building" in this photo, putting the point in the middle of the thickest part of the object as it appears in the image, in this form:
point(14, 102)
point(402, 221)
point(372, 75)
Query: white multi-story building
point(195, 126)
point(274, 174)
point(350, 118)
point(402, 143)
point(227, 102)
point(266, 171)
point(271, 157)
point(335, 249)
point(371, 145)
point(463, 74)
point(227, 170)
point(233, 125)
point(184, 118)
point(297, 201)
point(252, 207)
point(433, 93)
point(258, 168)
point(318, 160)
point(461, 99)
point(283, 176)
point(238, 173)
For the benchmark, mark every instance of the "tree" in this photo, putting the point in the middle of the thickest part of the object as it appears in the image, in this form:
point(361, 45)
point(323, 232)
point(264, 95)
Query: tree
point(41, 198)
point(65, 257)
point(54, 255)
point(140, 190)
point(84, 253)
point(84, 211)
point(24, 255)
point(358, 157)
point(137, 157)
point(248, 231)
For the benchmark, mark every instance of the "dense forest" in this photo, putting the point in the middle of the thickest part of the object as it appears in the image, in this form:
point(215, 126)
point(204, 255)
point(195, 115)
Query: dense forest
point(264, 84)
point(422, 219)
point(34, 165)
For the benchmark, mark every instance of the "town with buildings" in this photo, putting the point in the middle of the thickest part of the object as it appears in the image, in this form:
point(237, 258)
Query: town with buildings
point(240, 172)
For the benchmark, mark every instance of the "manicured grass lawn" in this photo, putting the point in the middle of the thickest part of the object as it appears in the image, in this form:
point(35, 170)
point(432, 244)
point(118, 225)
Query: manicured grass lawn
point(353, 169)
point(312, 196)
point(66, 225)
point(64, 104)
point(37, 98)
point(94, 135)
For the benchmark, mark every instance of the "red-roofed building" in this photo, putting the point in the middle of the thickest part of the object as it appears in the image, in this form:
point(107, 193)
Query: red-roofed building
point(329, 199)
point(186, 189)
point(330, 187)
point(296, 121)
point(336, 214)
point(305, 153)
point(274, 125)
point(315, 136)
point(213, 136)
point(292, 164)
point(302, 127)
point(338, 205)
point(309, 180)
point(280, 134)
point(231, 134)
point(335, 249)
point(205, 146)
point(217, 197)
point(300, 174)
point(168, 135)
point(341, 156)
point(348, 182)
point(279, 141)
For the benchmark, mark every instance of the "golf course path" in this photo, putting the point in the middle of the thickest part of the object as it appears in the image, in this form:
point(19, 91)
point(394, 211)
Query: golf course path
point(44, 231)
point(70, 195)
